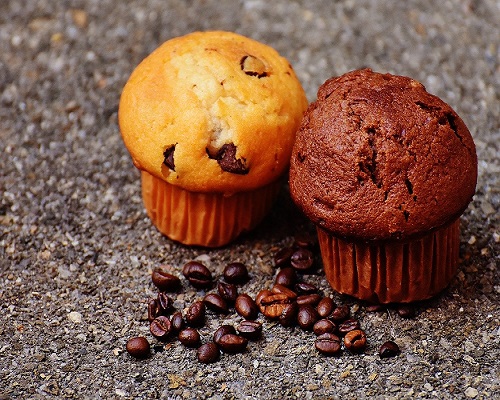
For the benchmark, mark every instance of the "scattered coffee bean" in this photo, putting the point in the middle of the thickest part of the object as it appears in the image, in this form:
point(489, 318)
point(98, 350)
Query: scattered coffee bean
point(263, 293)
point(228, 292)
point(223, 330)
point(375, 308)
point(154, 309)
point(231, 343)
point(189, 337)
point(216, 303)
point(284, 290)
point(272, 306)
point(177, 322)
point(305, 241)
point(307, 317)
point(341, 313)
point(283, 257)
point(246, 307)
point(348, 325)
point(160, 327)
point(165, 302)
point(236, 273)
point(328, 344)
point(195, 315)
point(389, 349)
point(305, 288)
point(324, 326)
point(286, 277)
point(197, 274)
point(208, 353)
point(138, 347)
point(288, 315)
point(325, 307)
point(308, 299)
point(406, 311)
point(164, 281)
point(251, 330)
point(355, 341)
point(302, 259)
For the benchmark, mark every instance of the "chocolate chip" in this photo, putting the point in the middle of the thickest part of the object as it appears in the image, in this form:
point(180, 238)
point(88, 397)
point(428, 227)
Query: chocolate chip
point(168, 157)
point(253, 66)
point(226, 157)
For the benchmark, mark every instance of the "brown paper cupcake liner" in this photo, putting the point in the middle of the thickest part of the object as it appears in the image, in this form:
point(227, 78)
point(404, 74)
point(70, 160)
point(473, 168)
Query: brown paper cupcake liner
point(204, 219)
point(396, 272)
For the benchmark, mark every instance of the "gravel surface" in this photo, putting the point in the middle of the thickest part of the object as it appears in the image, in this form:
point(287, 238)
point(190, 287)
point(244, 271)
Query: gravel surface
point(77, 250)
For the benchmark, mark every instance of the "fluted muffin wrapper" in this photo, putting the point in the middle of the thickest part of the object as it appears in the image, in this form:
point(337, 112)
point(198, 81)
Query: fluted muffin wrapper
point(392, 272)
point(204, 219)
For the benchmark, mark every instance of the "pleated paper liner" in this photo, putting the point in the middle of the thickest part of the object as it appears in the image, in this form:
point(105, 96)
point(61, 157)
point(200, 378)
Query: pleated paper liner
point(395, 272)
point(204, 219)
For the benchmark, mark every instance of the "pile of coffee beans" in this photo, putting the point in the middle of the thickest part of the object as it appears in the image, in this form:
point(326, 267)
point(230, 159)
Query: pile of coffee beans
point(290, 301)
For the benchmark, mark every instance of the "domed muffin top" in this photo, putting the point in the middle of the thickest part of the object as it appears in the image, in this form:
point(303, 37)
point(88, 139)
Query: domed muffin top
point(212, 111)
point(377, 157)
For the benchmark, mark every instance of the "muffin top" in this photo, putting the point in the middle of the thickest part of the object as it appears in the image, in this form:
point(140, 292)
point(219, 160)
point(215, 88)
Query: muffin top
point(377, 158)
point(212, 111)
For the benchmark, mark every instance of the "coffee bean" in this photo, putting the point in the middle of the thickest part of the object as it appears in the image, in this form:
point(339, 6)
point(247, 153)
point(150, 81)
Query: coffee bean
point(328, 344)
point(283, 257)
point(197, 274)
point(348, 325)
point(272, 306)
point(305, 241)
point(216, 303)
point(389, 349)
point(251, 330)
point(325, 307)
point(246, 307)
point(236, 273)
point(189, 337)
point(406, 311)
point(160, 327)
point(375, 308)
point(302, 259)
point(307, 317)
point(164, 281)
point(223, 330)
point(208, 353)
point(138, 347)
point(284, 290)
point(258, 299)
point(286, 277)
point(231, 343)
point(165, 302)
point(308, 299)
point(305, 288)
point(341, 313)
point(228, 292)
point(355, 341)
point(177, 322)
point(154, 309)
point(288, 315)
point(195, 315)
point(324, 326)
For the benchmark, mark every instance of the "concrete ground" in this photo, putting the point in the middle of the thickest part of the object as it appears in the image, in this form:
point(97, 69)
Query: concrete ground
point(77, 249)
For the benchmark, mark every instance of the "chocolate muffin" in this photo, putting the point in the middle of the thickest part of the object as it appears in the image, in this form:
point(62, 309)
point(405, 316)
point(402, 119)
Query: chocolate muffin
point(384, 169)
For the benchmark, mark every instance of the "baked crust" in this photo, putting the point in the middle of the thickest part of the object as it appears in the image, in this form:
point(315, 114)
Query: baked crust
point(377, 157)
point(212, 112)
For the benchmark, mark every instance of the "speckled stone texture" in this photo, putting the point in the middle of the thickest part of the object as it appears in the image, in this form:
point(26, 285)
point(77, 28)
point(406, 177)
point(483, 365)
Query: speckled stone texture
point(77, 249)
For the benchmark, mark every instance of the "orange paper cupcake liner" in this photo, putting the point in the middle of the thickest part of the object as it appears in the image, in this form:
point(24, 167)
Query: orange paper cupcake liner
point(204, 219)
point(396, 272)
